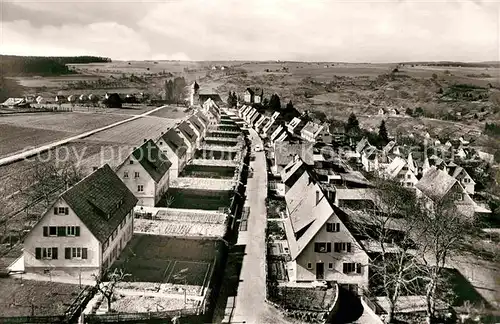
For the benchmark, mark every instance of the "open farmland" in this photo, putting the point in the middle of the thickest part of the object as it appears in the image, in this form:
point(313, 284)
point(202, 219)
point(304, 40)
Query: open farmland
point(23, 131)
point(17, 138)
point(174, 112)
point(48, 298)
point(134, 132)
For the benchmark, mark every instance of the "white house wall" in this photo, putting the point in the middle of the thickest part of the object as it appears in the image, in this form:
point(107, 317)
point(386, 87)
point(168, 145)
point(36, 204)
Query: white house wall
point(61, 265)
point(145, 197)
point(299, 269)
point(115, 246)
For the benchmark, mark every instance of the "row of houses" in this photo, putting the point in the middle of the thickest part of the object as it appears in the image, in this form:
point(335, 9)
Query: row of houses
point(86, 228)
point(277, 130)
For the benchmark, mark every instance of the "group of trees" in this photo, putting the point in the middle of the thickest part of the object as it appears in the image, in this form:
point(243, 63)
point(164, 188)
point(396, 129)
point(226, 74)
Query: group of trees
point(424, 241)
point(174, 90)
point(354, 131)
point(45, 66)
point(492, 129)
point(232, 99)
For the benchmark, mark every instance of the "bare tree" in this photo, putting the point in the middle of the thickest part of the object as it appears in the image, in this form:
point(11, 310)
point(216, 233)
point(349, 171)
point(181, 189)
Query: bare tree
point(442, 232)
point(46, 180)
point(387, 229)
point(106, 283)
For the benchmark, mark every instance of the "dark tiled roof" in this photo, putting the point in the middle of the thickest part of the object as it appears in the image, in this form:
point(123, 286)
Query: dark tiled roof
point(436, 183)
point(152, 159)
point(196, 123)
point(101, 201)
point(202, 117)
point(188, 132)
point(175, 142)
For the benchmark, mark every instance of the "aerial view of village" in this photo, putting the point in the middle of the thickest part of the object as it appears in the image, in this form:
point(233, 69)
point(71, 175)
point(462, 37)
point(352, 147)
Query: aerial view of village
point(237, 162)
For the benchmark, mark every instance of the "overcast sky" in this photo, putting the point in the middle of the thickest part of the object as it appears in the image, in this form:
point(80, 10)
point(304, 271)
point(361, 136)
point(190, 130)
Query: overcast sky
point(309, 30)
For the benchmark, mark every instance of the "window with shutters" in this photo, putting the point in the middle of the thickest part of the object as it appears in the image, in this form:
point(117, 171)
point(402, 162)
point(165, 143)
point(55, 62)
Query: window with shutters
point(333, 227)
point(62, 211)
point(73, 230)
point(75, 253)
point(342, 247)
point(49, 253)
point(125, 174)
point(322, 247)
point(349, 267)
point(52, 230)
point(136, 174)
point(140, 188)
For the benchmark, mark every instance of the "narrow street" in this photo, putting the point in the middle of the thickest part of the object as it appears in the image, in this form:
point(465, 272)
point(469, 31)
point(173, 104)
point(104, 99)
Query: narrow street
point(245, 276)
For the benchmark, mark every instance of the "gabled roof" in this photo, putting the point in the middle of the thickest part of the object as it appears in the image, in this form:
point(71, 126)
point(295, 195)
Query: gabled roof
point(292, 171)
point(275, 115)
point(283, 137)
point(435, 184)
point(294, 122)
point(284, 152)
point(388, 147)
point(255, 117)
point(196, 123)
point(395, 167)
point(277, 132)
point(175, 142)
point(260, 121)
point(255, 91)
point(312, 128)
point(296, 125)
point(201, 116)
point(188, 132)
point(361, 145)
point(458, 173)
point(308, 210)
point(152, 159)
point(101, 201)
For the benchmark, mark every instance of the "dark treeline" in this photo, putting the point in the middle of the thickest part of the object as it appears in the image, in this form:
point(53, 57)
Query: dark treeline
point(44, 66)
point(456, 64)
point(492, 129)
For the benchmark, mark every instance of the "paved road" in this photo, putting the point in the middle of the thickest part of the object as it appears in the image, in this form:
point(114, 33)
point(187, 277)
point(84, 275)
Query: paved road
point(251, 293)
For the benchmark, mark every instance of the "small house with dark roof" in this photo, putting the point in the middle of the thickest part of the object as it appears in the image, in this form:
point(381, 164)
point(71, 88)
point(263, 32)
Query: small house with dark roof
point(203, 120)
point(197, 127)
point(321, 246)
point(174, 147)
point(85, 230)
point(253, 95)
point(437, 186)
point(146, 173)
point(254, 118)
point(189, 136)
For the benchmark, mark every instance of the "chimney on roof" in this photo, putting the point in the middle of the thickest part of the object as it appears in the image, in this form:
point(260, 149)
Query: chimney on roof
point(317, 197)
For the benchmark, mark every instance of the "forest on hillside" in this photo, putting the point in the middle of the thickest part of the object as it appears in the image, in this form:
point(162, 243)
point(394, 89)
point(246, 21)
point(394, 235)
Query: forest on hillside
point(11, 65)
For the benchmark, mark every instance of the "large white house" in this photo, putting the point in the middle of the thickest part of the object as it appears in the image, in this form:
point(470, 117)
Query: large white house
point(321, 246)
point(313, 132)
point(402, 171)
point(145, 173)
point(85, 230)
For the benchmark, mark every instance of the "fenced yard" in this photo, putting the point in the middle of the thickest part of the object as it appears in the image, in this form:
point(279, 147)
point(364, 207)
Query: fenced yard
point(166, 263)
point(206, 171)
point(198, 199)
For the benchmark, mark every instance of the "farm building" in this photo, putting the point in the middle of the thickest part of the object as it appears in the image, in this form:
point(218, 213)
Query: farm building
point(212, 111)
point(60, 99)
point(253, 95)
point(15, 102)
point(267, 129)
point(85, 230)
point(321, 246)
point(113, 100)
point(284, 153)
point(145, 172)
point(173, 146)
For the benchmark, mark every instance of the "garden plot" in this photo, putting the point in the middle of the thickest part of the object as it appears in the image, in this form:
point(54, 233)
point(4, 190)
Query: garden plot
point(178, 222)
point(216, 163)
point(188, 198)
point(208, 171)
point(216, 155)
point(202, 184)
point(28, 297)
point(167, 265)
point(213, 148)
point(160, 227)
point(143, 304)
